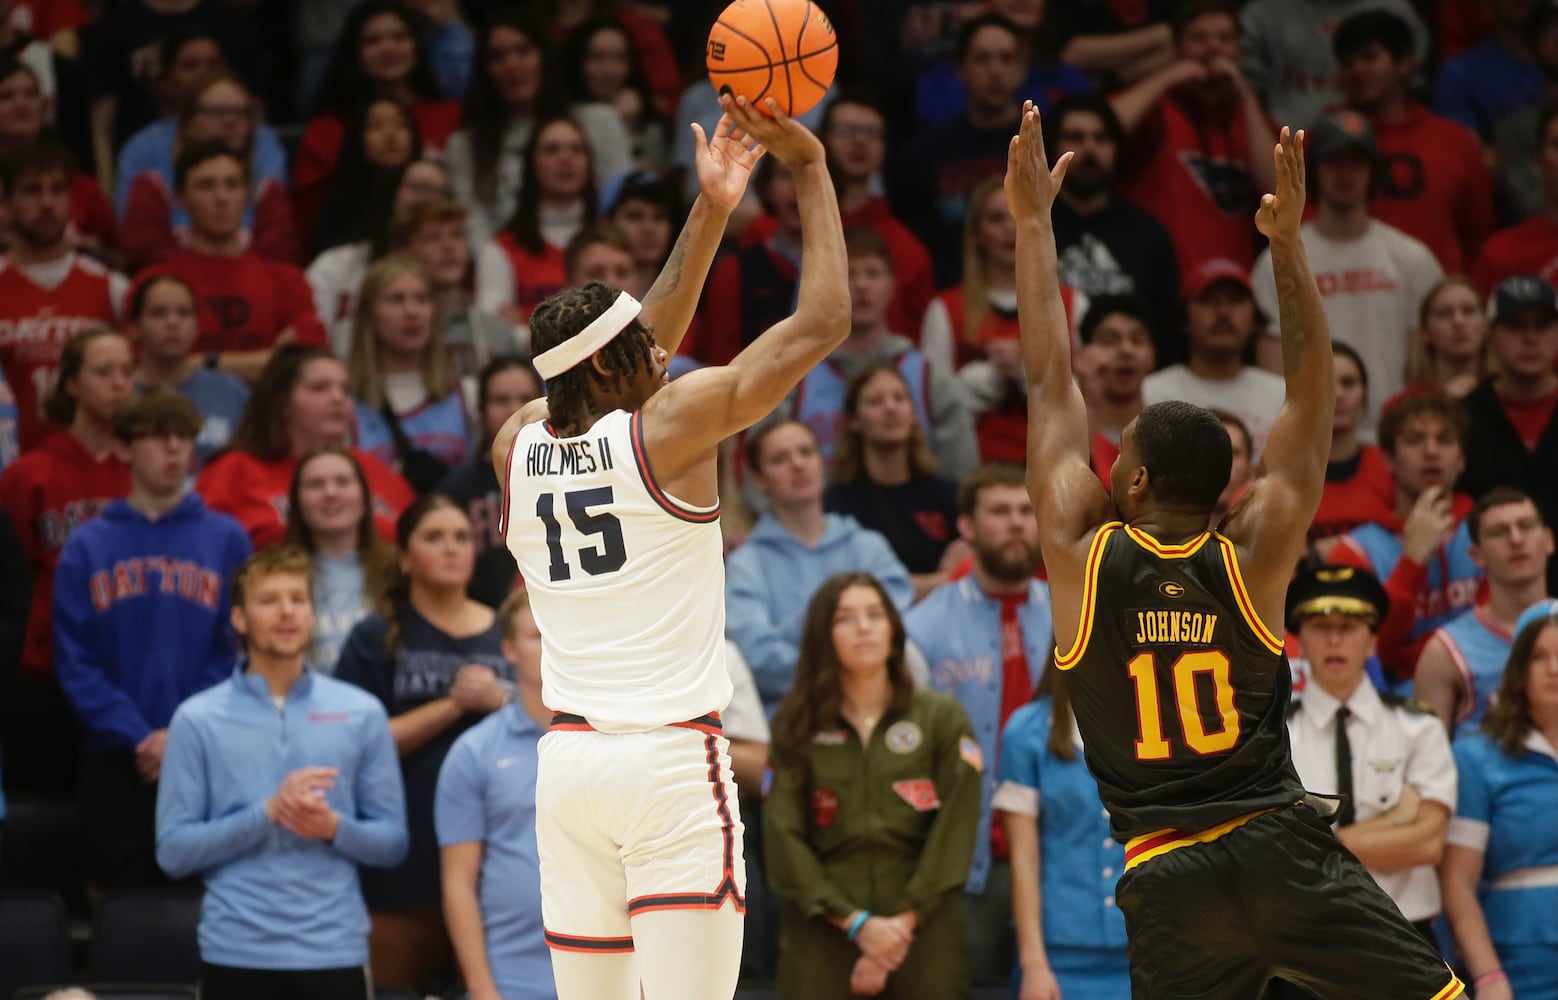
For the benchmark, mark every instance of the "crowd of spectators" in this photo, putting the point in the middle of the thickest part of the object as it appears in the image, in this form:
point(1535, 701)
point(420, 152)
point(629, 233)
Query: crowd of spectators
point(264, 296)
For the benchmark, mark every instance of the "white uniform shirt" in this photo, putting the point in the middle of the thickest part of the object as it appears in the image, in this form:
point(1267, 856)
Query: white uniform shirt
point(626, 582)
point(1392, 746)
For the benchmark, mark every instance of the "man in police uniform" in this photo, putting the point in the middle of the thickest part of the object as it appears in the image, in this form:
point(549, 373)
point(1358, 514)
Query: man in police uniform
point(1386, 757)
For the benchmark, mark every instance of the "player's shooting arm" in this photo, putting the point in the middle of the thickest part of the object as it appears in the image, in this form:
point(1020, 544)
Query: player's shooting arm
point(706, 406)
point(724, 163)
point(1269, 524)
point(1066, 494)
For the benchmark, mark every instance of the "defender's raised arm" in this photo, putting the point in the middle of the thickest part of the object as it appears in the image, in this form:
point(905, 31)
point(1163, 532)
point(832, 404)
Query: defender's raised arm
point(1269, 524)
point(1067, 497)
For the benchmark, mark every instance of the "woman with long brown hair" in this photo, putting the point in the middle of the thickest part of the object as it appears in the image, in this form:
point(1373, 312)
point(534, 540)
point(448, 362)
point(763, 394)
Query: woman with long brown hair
point(434, 657)
point(870, 826)
point(1499, 874)
point(410, 413)
point(46, 494)
point(330, 516)
point(884, 476)
point(1449, 348)
point(1070, 935)
point(299, 403)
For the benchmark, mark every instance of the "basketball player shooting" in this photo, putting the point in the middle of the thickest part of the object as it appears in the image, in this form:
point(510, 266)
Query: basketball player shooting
point(1233, 877)
point(612, 514)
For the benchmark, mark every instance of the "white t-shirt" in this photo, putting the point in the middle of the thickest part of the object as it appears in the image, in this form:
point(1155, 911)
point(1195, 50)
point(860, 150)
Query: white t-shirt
point(336, 276)
point(1371, 288)
point(1254, 396)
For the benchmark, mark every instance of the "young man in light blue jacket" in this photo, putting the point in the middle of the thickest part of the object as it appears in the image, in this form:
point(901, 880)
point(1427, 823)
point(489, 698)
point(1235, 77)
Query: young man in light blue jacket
point(792, 549)
point(276, 784)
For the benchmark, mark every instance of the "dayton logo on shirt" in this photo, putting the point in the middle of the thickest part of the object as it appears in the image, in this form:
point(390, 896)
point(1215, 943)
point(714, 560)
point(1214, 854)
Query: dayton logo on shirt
point(134, 577)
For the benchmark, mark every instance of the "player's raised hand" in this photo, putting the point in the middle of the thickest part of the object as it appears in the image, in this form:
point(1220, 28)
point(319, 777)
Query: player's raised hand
point(791, 142)
point(1281, 212)
point(724, 161)
point(1031, 183)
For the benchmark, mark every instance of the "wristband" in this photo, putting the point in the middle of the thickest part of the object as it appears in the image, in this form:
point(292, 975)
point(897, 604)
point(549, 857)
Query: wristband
point(1488, 977)
point(855, 923)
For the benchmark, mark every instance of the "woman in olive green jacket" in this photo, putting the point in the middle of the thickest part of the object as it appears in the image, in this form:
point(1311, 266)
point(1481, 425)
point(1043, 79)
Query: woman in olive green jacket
point(870, 824)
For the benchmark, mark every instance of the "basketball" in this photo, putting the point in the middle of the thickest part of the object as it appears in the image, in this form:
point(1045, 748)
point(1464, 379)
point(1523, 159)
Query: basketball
point(784, 49)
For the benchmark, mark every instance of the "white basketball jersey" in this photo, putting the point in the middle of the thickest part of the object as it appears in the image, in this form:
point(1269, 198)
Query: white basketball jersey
point(627, 583)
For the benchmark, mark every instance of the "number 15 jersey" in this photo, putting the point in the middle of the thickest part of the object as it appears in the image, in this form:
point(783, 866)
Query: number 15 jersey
point(626, 582)
point(1179, 690)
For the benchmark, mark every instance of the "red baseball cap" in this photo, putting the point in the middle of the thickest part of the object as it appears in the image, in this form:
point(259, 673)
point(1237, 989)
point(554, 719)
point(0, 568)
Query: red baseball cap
point(1210, 272)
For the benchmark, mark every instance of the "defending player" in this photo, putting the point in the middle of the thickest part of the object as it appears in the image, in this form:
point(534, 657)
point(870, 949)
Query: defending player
point(1179, 686)
point(612, 515)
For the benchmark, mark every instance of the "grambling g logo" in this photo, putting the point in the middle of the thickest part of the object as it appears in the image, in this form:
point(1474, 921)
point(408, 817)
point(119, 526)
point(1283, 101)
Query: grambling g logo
point(1168, 588)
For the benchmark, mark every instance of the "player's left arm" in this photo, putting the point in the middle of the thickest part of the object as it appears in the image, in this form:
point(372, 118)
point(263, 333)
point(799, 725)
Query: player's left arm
point(1269, 524)
point(521, 418)
point(724, 163)
point(949, 847)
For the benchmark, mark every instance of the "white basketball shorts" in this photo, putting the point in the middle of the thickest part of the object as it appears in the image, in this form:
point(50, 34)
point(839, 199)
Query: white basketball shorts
point(631, 823)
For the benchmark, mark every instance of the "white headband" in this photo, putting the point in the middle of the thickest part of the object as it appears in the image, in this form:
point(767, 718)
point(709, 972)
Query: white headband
point(552, 363)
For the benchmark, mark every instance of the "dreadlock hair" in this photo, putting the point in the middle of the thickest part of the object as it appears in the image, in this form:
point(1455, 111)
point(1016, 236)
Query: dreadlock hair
point(564, 316)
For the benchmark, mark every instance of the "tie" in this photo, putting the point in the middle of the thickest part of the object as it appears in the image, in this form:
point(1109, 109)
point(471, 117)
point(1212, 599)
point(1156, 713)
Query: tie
point(1344, 815)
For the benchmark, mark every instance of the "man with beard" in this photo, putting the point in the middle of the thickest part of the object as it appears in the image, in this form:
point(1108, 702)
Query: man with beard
point(986, 639)
point(1424, 554)
point(1371, 276)
point(1219, 324)
point(1108, 246)
point(48, 292)
point(1199, 140)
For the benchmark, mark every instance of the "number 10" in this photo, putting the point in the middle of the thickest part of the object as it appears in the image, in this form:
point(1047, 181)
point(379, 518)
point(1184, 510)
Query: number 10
point(1149, 717)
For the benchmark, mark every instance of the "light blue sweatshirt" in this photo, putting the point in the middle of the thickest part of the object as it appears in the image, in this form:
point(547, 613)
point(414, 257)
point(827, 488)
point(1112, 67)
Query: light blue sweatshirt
point(770, 579)
point(274, 900)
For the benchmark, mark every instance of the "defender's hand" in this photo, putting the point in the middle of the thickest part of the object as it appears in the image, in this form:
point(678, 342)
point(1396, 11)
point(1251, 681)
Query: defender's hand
point(1031, 183)
point(1281, 213)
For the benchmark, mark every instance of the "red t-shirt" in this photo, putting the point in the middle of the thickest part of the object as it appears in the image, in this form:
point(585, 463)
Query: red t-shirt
point(255, 493)
point(245, 302)
point(35, 323)
point(1529, 248)
point(148, 234)
point(537, 277)
point(1367, 495)
point(90, 211)
point(47, 494)
point(1530, 418)
point(1434, 186)
point(1194, 174)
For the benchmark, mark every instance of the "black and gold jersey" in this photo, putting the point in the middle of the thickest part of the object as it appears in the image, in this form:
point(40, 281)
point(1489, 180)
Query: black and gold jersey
point(1180, 690)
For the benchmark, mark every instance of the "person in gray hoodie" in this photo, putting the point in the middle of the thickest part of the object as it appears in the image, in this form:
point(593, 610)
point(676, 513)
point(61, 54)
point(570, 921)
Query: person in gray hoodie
point(792, 549)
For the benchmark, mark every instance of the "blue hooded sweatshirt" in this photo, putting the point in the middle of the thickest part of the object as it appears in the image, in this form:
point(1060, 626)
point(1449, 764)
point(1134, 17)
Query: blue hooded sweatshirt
point(770, 579)
point(141, 611)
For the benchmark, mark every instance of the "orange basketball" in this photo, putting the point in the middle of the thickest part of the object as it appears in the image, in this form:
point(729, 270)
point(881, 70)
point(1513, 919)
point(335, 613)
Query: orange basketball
point(784, 49)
